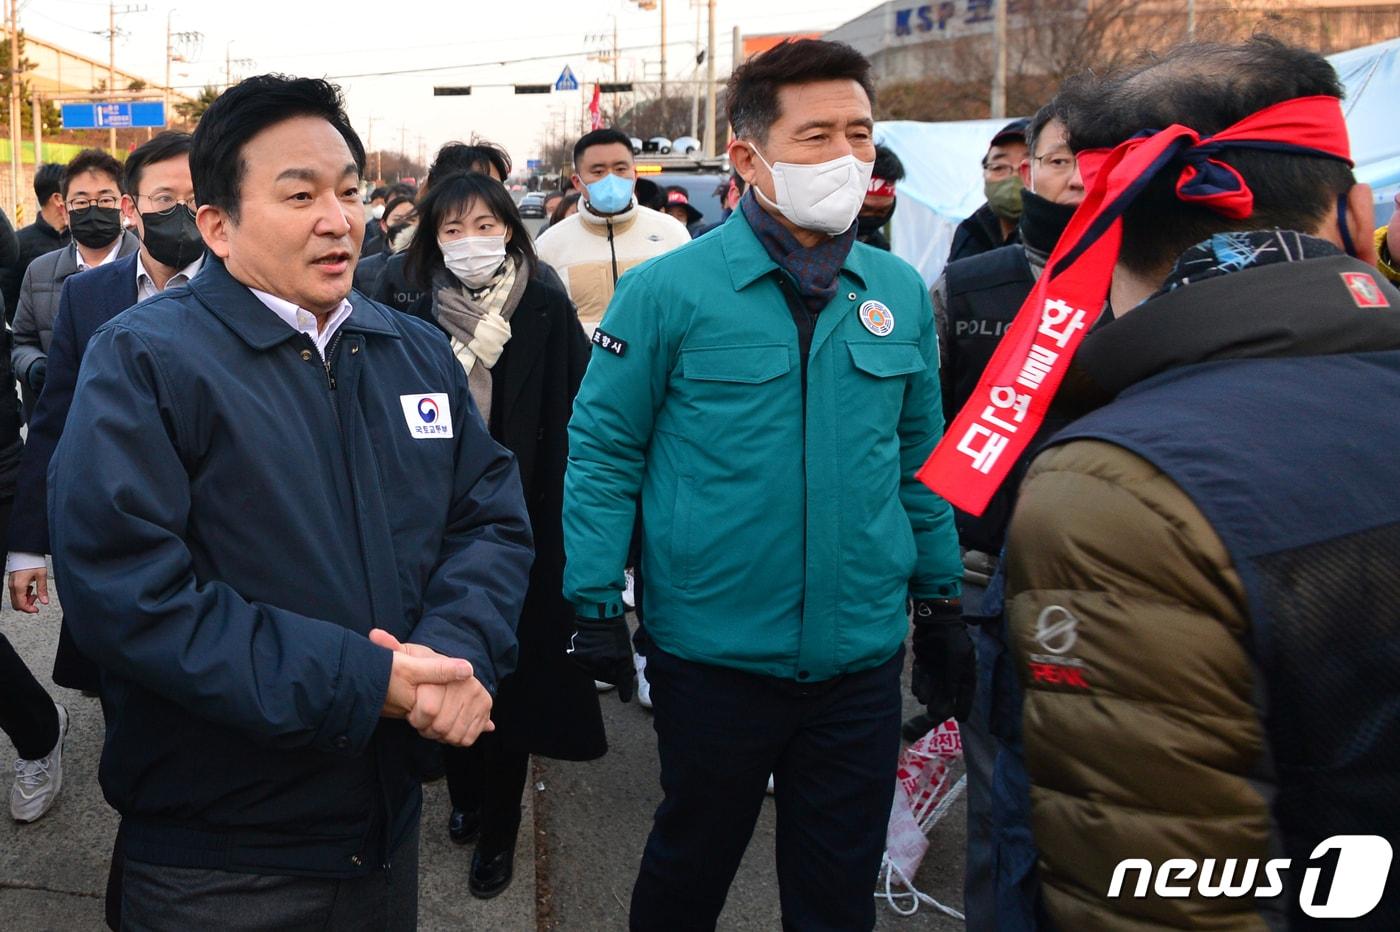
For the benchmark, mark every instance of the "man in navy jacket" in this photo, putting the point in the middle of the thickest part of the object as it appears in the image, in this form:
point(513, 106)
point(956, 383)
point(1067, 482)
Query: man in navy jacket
point(282, 530)
point(159, 202)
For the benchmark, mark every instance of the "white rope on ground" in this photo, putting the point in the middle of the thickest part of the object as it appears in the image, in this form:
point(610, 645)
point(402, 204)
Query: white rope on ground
point(931, 815)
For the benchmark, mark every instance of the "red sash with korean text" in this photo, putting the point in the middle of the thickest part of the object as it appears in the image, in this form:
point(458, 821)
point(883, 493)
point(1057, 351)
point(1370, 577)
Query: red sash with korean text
point(993, 429)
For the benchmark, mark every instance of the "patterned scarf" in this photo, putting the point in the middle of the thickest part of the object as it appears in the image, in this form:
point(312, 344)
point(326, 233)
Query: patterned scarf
point(1224, 253)
point(478, 321)
point(815, 269)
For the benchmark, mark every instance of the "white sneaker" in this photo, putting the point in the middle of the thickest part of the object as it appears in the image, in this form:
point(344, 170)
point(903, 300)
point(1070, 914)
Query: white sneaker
point(770, 785)
point(629, 593)
point(643, 686)
point(602, 687)
point(37, 782)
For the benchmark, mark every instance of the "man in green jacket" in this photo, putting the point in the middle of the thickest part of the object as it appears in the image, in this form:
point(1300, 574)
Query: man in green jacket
point(768, 392)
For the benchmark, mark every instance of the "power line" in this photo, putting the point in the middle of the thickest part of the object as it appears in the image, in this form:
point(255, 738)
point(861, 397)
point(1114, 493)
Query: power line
point(463, 67)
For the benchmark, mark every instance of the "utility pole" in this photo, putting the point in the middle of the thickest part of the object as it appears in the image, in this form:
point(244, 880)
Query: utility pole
point(12, 25)
point(614, 63)
point(111, 67)
point(738, 60)
point(112, 12)
point(369, 148)
point(665, 102)
point(999, 76)
point(187, 40)
point(695, 85)
point(37, 114)
point(230, 62)
point(709, 145)
point(1190, 20)
point(169, 60)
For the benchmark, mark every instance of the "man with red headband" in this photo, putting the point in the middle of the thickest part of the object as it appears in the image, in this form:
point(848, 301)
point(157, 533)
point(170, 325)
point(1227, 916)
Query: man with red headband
point(1201, 583)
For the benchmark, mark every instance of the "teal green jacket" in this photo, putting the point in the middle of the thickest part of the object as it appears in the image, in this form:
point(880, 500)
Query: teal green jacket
point(776, 540)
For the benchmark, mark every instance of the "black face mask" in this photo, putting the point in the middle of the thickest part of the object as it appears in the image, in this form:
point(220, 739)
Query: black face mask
point(95, 227)
point(870, 224)
point(172, 238)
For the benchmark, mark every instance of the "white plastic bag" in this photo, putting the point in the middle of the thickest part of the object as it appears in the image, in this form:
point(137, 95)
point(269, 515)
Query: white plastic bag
point(928, 783)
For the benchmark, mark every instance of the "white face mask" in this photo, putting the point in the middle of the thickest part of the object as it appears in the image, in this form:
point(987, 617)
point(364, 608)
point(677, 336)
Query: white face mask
point(474, 259)
point(823, 198)
point(377, 211)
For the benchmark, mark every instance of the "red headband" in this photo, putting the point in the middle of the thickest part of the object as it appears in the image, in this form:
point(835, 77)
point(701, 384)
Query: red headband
point(996, 425)
point(880, 187)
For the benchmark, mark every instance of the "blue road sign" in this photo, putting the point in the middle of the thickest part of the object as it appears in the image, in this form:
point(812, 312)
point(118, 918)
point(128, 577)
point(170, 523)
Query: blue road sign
point(113, 116)
point(533, 164)
point(567, 81)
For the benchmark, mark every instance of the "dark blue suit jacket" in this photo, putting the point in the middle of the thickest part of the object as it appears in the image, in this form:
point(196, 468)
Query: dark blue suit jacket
point(88, 300)
point(230, 519)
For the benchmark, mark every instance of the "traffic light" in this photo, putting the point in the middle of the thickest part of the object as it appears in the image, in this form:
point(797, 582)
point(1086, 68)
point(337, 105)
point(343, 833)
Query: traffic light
point(533, 88)
point(452, 91)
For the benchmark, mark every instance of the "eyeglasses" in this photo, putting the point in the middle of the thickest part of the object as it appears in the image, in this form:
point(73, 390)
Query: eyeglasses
point(83, 203)
point(166, 202)
point(1058, 163)
point(998, 170)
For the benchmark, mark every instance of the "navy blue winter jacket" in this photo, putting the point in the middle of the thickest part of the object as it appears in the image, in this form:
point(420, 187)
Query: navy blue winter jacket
point(229, 519)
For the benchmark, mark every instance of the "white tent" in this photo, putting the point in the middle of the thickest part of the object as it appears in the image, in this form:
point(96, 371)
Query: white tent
point(1372, 78)
point(942, 185)
point(942, 161)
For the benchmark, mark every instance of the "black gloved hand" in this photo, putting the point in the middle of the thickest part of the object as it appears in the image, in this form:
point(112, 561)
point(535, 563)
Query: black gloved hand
point(602, 648)
point(945, 663)
point(38, 369)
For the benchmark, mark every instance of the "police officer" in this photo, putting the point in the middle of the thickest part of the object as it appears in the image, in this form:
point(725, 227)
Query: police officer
point(768, 392)
point(975, 300)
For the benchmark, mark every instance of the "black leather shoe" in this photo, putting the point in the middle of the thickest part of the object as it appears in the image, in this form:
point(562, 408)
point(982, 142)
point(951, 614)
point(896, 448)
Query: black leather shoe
point(916, 727)
point(463, 826)
point(491, 872)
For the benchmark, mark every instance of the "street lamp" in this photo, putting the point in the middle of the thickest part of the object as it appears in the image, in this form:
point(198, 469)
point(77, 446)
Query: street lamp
point(651, 5)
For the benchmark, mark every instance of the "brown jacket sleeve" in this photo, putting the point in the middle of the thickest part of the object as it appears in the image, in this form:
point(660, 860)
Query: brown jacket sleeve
point(1141, 735)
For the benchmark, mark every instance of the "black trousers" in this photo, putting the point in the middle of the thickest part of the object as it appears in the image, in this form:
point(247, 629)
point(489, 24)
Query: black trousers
point(489, 777)
point(27, 714)
point(832, 749)
point(156, 898)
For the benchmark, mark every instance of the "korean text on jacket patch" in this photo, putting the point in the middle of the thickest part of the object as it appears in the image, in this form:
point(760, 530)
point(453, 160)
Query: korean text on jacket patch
point(609, 342)
point(428, 416)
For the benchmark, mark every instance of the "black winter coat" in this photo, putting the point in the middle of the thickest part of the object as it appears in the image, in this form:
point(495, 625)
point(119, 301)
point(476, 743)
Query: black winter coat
point(11, 446)
point(547, 706)
point(978, 234)
point(35, 240)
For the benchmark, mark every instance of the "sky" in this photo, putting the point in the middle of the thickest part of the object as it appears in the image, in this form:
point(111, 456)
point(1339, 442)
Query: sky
point(466, 42)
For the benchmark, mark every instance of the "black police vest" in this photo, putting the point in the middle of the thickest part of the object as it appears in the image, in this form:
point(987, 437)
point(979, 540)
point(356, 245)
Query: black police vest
point(984, 294)
point(1295, 462)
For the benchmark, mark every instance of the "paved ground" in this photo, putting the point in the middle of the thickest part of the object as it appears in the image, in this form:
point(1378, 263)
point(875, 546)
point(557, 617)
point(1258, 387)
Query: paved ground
point(574, 870)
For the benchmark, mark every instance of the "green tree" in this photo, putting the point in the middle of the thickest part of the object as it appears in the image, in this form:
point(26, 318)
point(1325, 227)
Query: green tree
point(191, 110)
point(48, 113)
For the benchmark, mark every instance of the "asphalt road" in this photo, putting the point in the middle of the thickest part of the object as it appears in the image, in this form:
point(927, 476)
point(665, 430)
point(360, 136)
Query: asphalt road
point(582, 836)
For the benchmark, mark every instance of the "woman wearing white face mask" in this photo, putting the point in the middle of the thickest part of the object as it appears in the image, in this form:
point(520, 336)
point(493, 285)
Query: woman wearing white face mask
point(518, 336)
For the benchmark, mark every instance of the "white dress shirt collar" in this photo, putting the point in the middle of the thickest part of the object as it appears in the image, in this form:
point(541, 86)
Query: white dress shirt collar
point(303, 321)
point(110, 257)
point(146, 286)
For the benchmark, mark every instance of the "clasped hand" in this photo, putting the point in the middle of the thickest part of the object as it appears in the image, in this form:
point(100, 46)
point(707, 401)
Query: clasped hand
point(439, 696)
